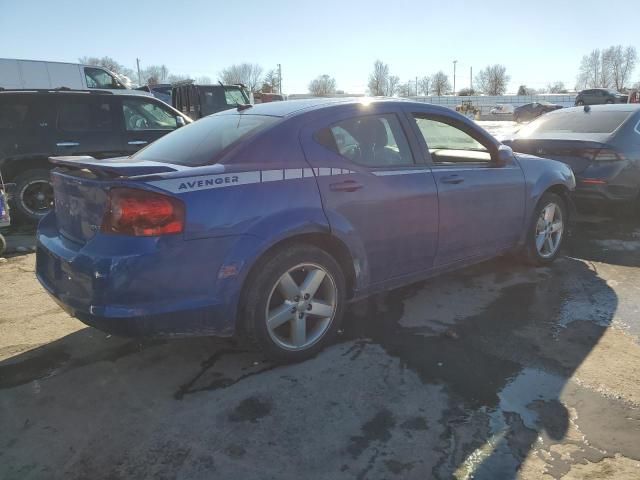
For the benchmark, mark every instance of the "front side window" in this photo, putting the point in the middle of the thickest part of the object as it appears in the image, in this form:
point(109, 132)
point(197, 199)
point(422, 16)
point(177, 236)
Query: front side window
point(84, 116)
point(449, 144)
point(98, 78)
point(372, 141)
point(140, 114)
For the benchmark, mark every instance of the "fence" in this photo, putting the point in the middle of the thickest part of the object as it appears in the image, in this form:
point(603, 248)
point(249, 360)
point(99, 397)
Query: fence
point(486, 103)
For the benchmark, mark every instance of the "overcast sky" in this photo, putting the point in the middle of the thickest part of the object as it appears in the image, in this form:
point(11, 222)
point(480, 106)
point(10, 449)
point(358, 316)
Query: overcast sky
point(539, 42)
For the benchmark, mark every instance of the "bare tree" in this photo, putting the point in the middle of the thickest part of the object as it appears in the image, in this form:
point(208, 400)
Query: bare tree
point(392, 85)
point(249, 74)
point(271, 82)
point(425, 85)
point(322, 86)
point(623, 62)
point(556, 87)
point(466, 92)
point(204, 80)
point(154, 74)
point(379, 79)
point(493, 80)
point(177, 77)
point(440, 84)
point(405, 89)
point(610, 67)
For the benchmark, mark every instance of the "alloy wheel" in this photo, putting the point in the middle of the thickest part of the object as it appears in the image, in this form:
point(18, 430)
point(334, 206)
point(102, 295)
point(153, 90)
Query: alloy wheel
point(301, 306)
point(549, 230)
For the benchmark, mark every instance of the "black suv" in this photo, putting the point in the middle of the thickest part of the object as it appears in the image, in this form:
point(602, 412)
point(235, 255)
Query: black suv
point(35, 125)
point(600, 96)
point(198, 101)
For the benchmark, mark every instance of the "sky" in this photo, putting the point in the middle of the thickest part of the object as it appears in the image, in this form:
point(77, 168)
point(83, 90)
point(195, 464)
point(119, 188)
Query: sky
point(540, 42)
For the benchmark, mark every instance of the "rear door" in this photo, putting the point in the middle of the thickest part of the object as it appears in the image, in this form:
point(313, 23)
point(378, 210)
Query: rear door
point(88, 124)
point(481, 204)
point(145, 120)
point(374, 190)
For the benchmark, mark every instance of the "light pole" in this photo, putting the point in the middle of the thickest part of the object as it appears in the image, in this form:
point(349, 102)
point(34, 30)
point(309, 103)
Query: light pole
point(454, 76)
point(280, 79)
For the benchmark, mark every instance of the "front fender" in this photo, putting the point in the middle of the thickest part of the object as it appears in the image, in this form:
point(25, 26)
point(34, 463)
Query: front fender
point(542, 174)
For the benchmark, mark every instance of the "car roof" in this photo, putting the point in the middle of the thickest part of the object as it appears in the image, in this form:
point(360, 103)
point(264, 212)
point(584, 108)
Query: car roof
point(612, 107)
point(289, 108)
point(88, 93)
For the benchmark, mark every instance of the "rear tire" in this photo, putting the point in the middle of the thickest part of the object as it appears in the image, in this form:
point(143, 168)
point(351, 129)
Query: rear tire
point(33, 197)
point(292, 303)
point(547, 230)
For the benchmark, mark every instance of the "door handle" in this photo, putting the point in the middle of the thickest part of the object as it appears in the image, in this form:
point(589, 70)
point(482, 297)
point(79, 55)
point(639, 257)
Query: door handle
point(137, 142)
point(67, 144)
point(346, 186)
point(452, 179)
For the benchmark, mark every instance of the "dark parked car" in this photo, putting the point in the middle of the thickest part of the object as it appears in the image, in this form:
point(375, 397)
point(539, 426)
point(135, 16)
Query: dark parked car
point(530, 111)
point(600, 96)
point(35, 125)
point(601, 144)
point(266, 220)
point(162, 91)
point(198, 101)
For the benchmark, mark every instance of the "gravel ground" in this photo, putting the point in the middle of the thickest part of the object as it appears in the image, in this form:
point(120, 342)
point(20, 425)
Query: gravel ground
point(498, 371)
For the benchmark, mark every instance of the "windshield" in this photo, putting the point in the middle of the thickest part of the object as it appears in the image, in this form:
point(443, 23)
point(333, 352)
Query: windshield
point(201, 142)
point(577, 121)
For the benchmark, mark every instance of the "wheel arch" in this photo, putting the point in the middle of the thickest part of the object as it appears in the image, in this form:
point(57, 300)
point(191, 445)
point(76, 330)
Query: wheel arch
point(322, 240)
point(12, 167)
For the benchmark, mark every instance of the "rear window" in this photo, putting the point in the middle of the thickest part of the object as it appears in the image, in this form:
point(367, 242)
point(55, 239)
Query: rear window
point(200, 142)
point(577, 122)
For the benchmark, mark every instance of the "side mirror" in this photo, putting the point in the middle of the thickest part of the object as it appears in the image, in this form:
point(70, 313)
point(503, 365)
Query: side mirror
point(180, 121)
point(504, 156)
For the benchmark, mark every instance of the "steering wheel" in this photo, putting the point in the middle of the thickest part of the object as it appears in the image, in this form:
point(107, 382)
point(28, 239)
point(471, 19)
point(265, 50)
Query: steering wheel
point(138, 122)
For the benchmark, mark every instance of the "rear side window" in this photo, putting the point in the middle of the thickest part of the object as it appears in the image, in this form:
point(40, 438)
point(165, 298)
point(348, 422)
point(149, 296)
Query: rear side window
point(13, 114)
point(82, 116)
point(372, 141)
point(200, 142)
point(577, 121)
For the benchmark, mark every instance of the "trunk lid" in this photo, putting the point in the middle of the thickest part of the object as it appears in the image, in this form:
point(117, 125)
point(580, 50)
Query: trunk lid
point(577, 154)
point(81, 186)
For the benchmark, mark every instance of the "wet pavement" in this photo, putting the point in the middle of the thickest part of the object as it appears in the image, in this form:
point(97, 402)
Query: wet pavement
point(498, 371)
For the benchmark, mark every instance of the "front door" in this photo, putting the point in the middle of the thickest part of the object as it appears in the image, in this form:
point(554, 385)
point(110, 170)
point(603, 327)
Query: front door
point(481, 204)
point(145, 120)
point(375, 190)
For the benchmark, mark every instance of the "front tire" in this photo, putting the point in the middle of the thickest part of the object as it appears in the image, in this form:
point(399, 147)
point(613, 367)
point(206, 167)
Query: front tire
point(34, 195)
point(547, 230)
point(293, 302)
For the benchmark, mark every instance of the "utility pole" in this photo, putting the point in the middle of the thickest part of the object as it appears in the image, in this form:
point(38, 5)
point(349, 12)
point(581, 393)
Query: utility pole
point(280, 79)
point(470, 79)
point(139, 76)
point(454, 76)
point(416, 85)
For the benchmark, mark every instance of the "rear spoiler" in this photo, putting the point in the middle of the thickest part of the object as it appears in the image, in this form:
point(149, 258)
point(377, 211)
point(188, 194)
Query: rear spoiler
point(121, 167)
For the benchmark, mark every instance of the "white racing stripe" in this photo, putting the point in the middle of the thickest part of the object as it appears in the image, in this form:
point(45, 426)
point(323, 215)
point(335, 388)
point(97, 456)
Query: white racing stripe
point(209, 182)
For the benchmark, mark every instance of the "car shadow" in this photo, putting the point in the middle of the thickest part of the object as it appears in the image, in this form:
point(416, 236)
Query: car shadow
point(506, 365)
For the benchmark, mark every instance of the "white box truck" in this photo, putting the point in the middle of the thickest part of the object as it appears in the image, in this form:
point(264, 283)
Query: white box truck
point(36, 75)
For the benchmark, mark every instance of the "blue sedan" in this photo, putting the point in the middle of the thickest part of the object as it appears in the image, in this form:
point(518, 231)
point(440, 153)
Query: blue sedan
point(265, 220)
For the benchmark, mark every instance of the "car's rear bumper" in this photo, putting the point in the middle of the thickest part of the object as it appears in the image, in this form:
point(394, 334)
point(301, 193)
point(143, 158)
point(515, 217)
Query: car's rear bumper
point(605, 193)
point(140, 286)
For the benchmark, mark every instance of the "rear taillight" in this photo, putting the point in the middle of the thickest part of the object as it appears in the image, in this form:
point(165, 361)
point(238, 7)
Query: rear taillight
point(142, 214)
point(601, 154)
